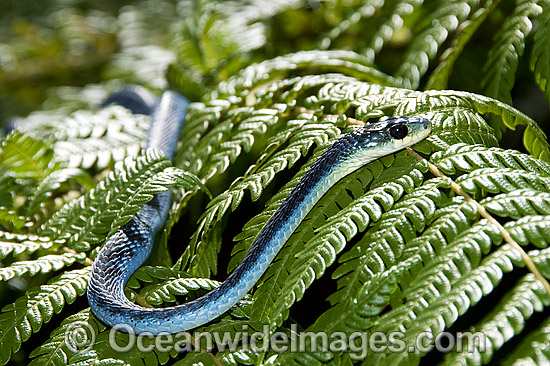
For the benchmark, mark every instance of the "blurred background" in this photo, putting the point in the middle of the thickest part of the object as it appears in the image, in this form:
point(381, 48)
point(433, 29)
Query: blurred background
point(51, 49)
point(64, 55)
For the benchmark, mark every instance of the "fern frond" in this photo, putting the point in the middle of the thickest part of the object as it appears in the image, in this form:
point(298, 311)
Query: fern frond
point(200, 118)
point(92, 360)
point(86, 221)
point(26, 157)
point(363, 291)
point(534, 139)
point(55, 351)
point(518, 204)
point(304, 131)
point(540, 56)
point(533, 350)
point(530, 230)
point(53, 182)
point(44, 264)
point(168, 289)
point(26, 316)
point(456, 111)
point(496, 180)
point(503, 322)
point(17, 244)
point(345, 62)
point(102, 352)
point(467, 158)
point(361, 274)
point(457, 280)
point(389, 25)
point(440, 76)
point(167, 283)
point(237, 358)
point(414, 253)
point(86, 139)
point(352, 18)
point(424, 47)
point(231, 137)
point(462, 125)
point(89, 139)
point(503, 58)
point(10, 220)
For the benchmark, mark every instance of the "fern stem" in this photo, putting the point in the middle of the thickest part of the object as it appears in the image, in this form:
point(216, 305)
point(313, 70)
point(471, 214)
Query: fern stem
point(139, 299)
point(483, 213)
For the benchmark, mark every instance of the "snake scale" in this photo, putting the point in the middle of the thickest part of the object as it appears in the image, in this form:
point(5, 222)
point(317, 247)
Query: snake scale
point(131, 245)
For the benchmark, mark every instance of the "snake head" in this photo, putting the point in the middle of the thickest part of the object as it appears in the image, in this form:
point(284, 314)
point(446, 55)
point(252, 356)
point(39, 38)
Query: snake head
point(407, 131)
point(393, 134)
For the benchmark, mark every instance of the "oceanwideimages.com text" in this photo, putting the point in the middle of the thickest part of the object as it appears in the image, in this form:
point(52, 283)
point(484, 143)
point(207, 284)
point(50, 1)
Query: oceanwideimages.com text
point(80, 337)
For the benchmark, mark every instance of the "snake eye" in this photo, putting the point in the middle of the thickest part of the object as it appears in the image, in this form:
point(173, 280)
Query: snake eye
point(399, 132)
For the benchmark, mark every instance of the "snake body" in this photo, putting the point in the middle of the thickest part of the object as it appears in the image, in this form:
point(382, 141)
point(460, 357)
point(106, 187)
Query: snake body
point(128, 248)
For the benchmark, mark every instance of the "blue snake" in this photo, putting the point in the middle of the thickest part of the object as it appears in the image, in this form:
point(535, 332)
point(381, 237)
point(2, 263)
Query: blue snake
point(131, 245)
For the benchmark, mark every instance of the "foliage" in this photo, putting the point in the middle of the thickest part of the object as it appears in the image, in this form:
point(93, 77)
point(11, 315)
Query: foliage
point(392, 247)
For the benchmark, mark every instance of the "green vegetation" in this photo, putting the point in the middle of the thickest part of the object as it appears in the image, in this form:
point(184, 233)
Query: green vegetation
point(415, 242)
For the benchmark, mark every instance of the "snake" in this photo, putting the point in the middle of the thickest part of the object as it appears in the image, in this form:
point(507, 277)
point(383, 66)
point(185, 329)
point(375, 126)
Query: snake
point(126, 250)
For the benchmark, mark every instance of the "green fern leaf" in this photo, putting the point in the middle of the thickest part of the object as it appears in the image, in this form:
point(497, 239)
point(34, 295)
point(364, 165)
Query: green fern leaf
point(353, 17)
point(531, 229)
point(225, 142)
point(534, 139)
point(45, 264)
point(440, 76)
point(517, 204)
point(462, 124)
point(390, 24)
point(237, 358)
point(459, 278)
point(85, 222)
point(26, 316)
point(305, 131)
point(53, 182)
point(502, 180)
point(17, 244)
point(166, 291)
point(439, 24)
point(345, 62)
point(320, 251)
point(353, 306)
point(467, 158)
point(87, 139)
point(413, 254)
point(167, 283)
point(503, 322)
point(12, 221)
point(103, 352)
point(200, 118)
point(501, 66)
point(533, 350)
point(26, 157)
point(363, 270)
point(540, 56)
point(55, 351)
